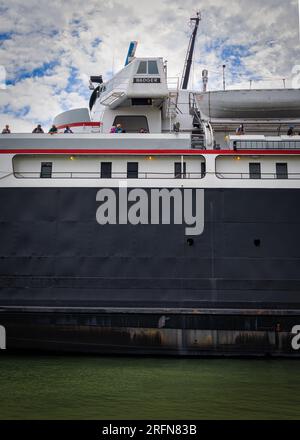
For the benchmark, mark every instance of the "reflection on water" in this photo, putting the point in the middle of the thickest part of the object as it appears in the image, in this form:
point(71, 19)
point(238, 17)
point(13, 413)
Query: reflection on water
point(53, 387)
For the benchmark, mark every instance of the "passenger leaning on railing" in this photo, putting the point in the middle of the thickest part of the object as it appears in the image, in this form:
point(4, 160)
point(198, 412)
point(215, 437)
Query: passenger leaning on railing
point(53, 129)
point(240, 130)
point(38, 129)
point(6, 130)
point(120, 129)
point(117, 129)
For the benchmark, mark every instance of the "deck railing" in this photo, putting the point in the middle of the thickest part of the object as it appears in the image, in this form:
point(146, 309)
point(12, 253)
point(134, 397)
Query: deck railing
point(266, 145)
point(97, 175)
point(261, 176)
point(151, 175)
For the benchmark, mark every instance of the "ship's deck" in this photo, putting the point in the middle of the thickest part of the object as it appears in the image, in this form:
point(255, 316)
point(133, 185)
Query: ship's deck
point(141, 144)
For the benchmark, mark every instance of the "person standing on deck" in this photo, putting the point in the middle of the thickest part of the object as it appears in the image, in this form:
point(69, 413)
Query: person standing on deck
point(240, 130)
point(53, 130)
point(38, 129)
point(119, 129)
point(6, 130)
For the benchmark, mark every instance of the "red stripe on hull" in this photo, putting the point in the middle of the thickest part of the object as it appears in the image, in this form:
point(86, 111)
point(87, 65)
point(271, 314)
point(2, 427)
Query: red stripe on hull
point(149, 152)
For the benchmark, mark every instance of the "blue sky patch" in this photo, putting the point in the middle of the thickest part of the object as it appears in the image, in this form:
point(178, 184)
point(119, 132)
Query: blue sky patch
point(73, 80)
point(76, 85)
point(4, 36)
point(214, 45)
point(235, 53)
point(96, 42)
point(43, 70)
point(20, 113)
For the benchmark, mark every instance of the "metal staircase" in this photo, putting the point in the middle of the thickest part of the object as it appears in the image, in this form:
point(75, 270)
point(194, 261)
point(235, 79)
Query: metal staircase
point(171, 103)
point(198, 139)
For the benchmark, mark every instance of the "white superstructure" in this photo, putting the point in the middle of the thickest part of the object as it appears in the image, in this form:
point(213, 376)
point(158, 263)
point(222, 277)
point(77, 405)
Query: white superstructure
point(170, 136)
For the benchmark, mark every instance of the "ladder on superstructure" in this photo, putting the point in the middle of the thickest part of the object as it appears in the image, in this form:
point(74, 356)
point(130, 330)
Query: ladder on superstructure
point(198, 135)
point(172, 104)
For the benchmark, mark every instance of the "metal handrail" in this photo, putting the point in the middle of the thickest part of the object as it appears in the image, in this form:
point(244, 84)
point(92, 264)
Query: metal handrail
point(173, 81)
point(256, 176)
point(95, 175)
point(6, 175)
point(266, 144)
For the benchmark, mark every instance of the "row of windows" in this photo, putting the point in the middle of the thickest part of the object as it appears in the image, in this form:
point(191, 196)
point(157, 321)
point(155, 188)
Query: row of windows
point(179, 170)
point(255, 170)
point(132, 170)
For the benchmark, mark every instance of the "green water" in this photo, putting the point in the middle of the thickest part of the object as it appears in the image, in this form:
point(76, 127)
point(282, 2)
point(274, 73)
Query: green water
point(52, 387)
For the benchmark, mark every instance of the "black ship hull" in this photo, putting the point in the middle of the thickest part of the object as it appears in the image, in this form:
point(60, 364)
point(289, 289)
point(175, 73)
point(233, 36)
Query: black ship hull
point(67, 283)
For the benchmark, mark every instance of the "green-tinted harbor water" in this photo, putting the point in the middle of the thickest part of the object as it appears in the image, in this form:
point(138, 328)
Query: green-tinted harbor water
point(53, 387)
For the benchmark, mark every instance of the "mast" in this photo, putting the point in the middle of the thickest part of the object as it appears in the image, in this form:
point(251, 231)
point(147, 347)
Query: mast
point(189, 58)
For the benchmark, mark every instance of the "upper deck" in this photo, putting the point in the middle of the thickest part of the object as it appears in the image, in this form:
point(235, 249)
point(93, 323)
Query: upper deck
point(94, 142)
point(132, 143)
point(143, 160)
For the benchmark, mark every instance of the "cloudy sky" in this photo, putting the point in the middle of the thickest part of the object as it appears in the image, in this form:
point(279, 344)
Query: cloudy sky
point(48, 49)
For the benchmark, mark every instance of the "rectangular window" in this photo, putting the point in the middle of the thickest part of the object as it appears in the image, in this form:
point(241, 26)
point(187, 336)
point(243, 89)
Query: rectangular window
point(132, 170)
point(254, 170)
point(141, 101)
point(132, 123)
point(106, 170)
point(282, 171)
point(179, 170)
point(152, 68)
point(46, 170)
point(142, 68)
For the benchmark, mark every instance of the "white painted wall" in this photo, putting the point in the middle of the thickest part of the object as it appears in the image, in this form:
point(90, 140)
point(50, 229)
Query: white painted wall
point(89, 166)
point(233, 165)
point(183, 115)
point(211, 180)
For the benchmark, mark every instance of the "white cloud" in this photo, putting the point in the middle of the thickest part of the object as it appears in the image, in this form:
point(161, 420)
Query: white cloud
point(61, 35)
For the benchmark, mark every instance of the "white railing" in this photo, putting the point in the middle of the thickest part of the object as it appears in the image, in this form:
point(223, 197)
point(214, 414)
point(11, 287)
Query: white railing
point(97, 175)
point(257, 176)
point(173, 82)
point(266, 145)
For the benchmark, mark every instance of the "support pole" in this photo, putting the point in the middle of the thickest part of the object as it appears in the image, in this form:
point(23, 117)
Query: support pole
point(189, 58)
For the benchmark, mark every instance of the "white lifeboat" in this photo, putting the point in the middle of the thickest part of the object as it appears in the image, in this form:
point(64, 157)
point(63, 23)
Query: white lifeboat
point(250, 104)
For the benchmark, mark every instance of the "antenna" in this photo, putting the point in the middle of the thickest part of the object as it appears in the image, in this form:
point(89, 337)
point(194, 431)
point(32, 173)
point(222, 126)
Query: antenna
point(224, 76)
point(205, 79)
point(189, 58)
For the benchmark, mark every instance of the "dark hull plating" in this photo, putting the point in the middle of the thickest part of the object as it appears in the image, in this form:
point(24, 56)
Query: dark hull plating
point(69, 284)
